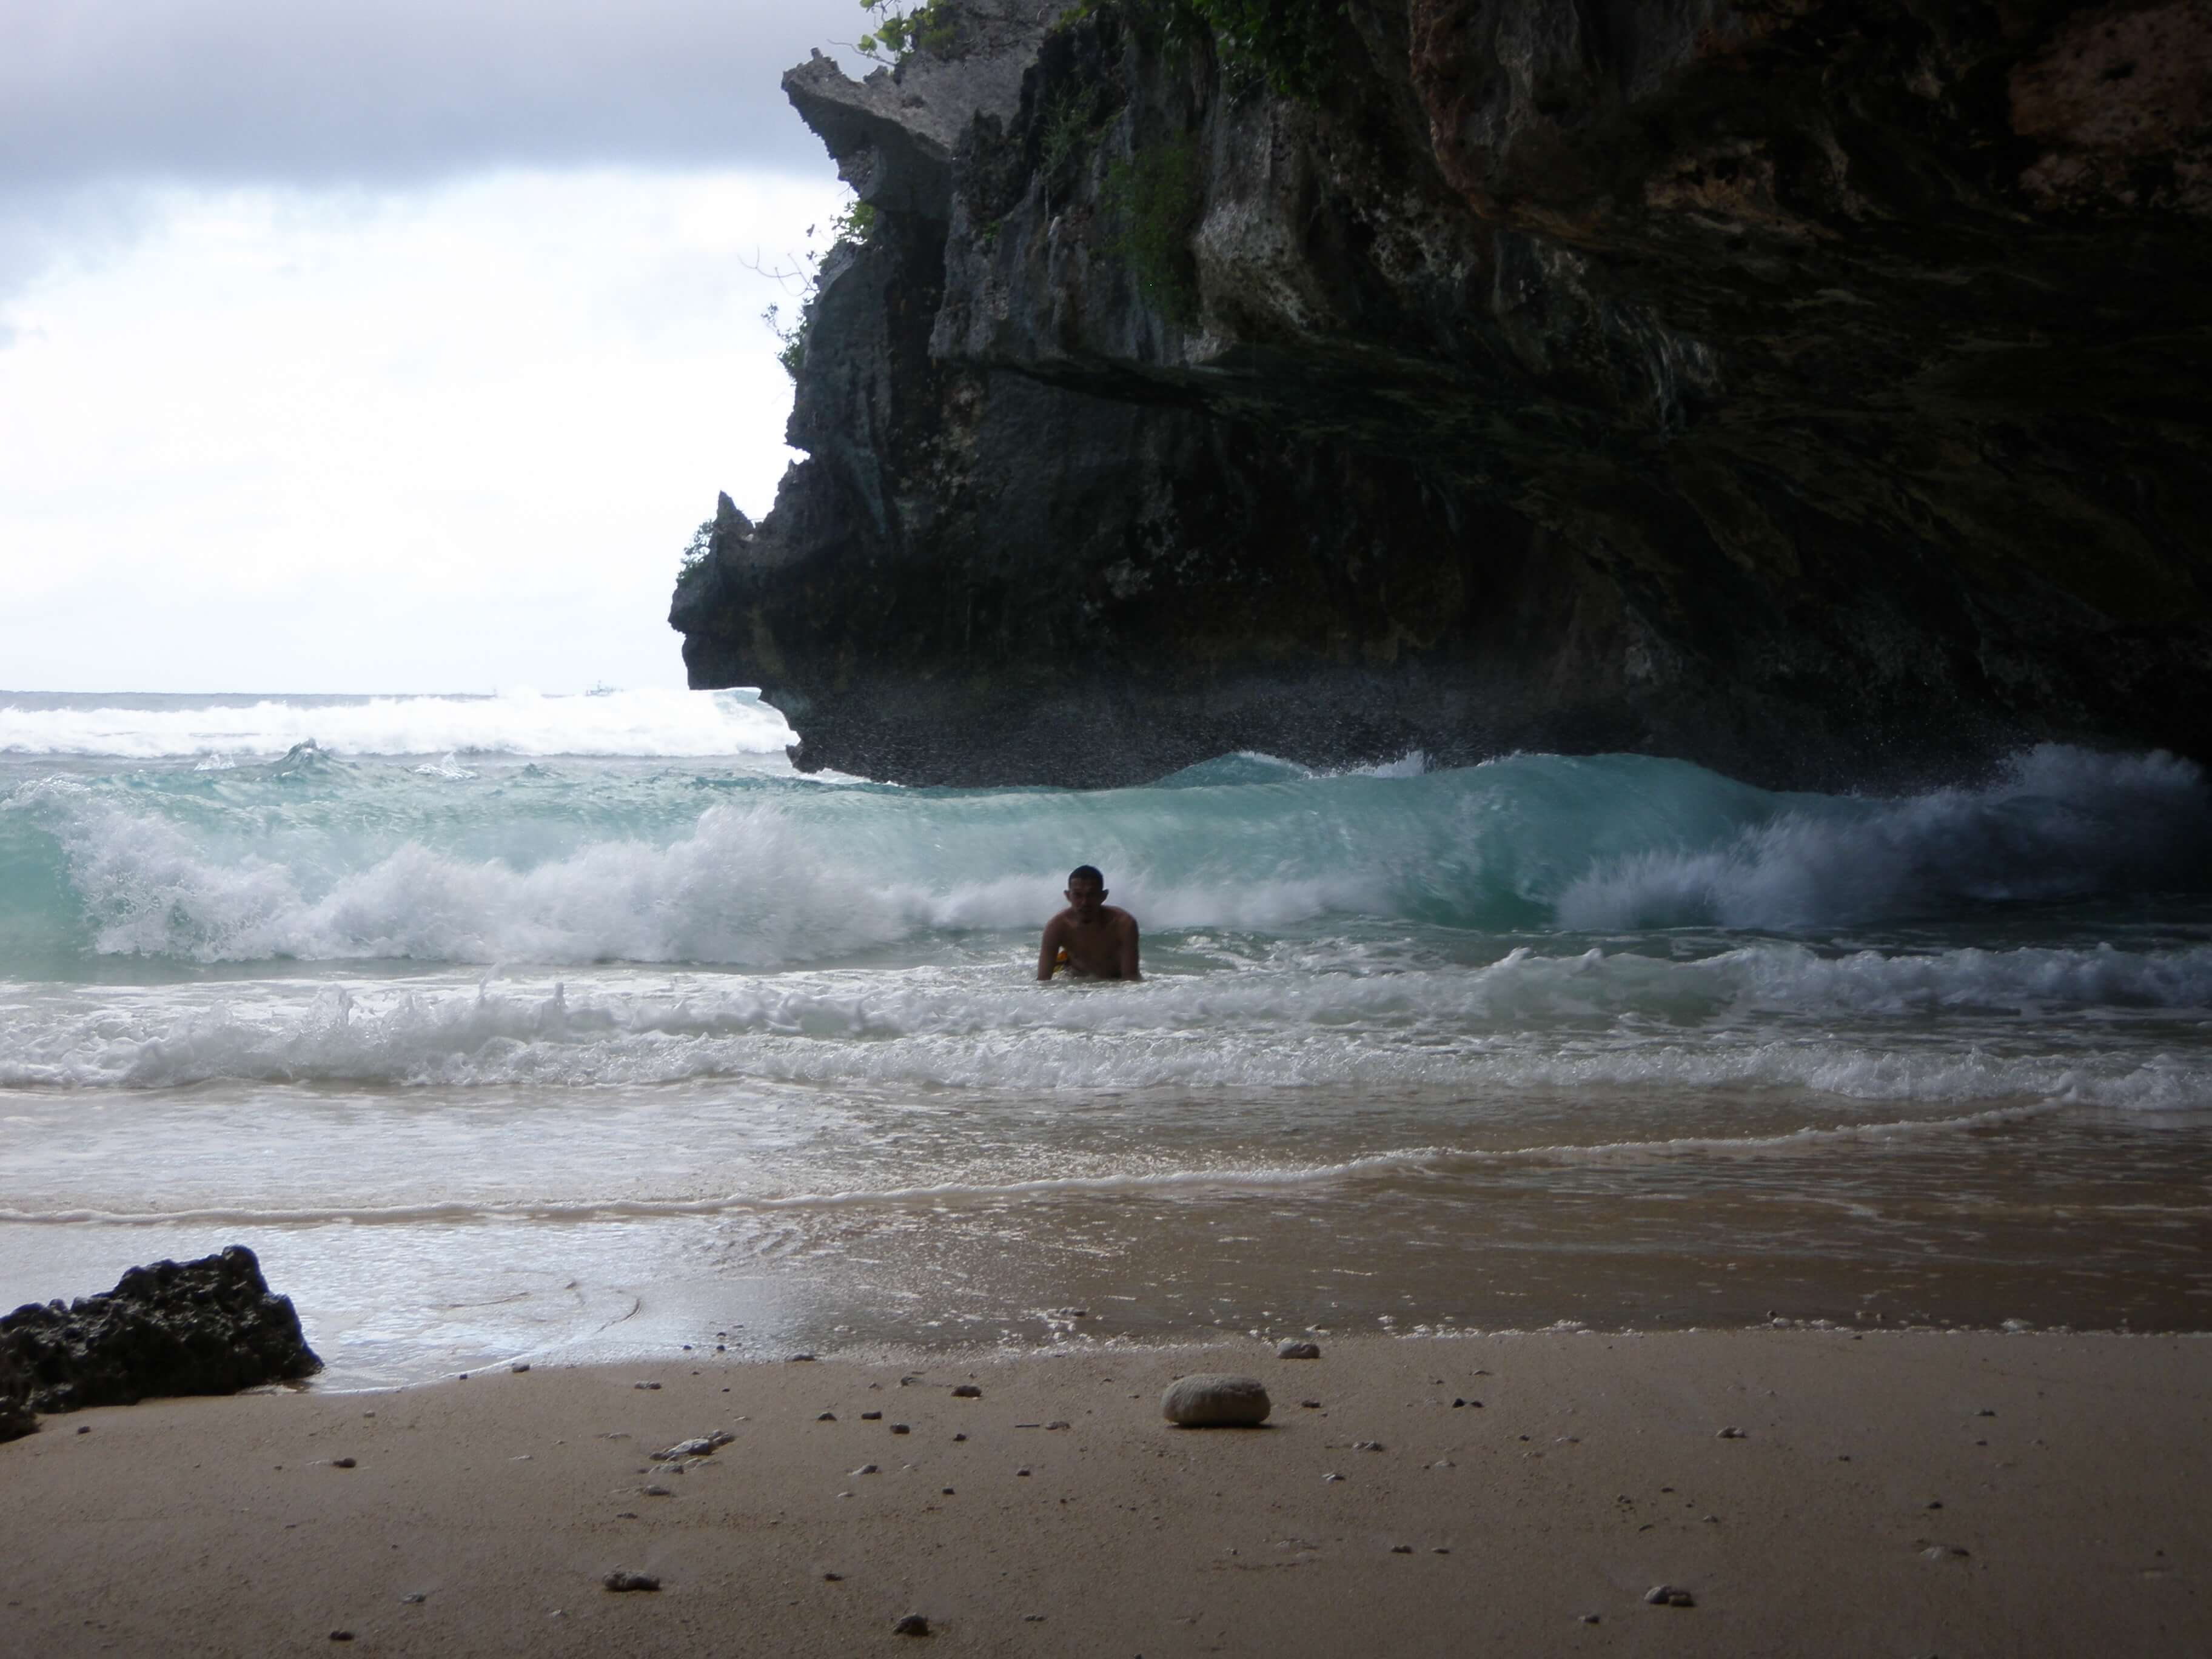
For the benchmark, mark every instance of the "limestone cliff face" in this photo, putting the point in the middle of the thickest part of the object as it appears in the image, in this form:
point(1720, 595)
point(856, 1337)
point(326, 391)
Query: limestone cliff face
point(1812, 388)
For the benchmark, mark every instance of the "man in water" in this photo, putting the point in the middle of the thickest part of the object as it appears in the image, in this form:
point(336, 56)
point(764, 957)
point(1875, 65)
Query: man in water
point(1091, 939)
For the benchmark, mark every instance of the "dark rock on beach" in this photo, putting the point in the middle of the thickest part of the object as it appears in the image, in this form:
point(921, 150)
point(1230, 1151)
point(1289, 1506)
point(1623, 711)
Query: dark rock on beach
point(211, 1326)
point(1814, 390)
point(17, 1417)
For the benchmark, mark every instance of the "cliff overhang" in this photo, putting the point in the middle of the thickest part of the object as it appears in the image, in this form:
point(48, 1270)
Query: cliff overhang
point(1811, 389)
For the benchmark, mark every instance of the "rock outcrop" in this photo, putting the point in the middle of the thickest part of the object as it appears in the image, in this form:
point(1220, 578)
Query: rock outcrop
point(17, 1417)
point(211, 1326)
point(1811, 388)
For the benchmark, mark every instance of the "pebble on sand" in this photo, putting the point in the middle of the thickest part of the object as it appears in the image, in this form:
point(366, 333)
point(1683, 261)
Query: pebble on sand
point(800, 1358)
point(702, 1446)
point(1731, 1433)
point(827, 1417)
point(342, 1464)
point(872, 1416)
point(619, 1580)
point(966, 1391)
point(1211, 1400)
point(1294, 1348)
point(520, 1366)
point(901, 1428)
point(1669, 1595)
point(913, 1625)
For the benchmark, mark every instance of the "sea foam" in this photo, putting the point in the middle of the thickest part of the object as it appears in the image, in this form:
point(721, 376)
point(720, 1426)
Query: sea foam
point(647, 722)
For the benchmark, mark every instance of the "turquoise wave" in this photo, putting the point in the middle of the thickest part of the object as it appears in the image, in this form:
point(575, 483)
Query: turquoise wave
point(319, 858)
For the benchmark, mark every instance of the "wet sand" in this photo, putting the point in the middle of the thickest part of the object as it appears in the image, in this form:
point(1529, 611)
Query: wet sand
point(1889, 1492)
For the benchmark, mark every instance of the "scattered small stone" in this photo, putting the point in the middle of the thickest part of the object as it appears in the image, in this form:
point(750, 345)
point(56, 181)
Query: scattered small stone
point(703, 1446)
point(657, 1492)
point(1367, 1445)
point(827, 1417)
point(1021, 1471)
point(867, 1469)
point(341, 1636)
point(957, 1438)
point(1402, 1549)
point(620, 1580)
point(413, 1598)
point(1934, 1504)
point(655, 1387)
point(520, 1366)
point(1985, 1412)
point(1326, 1478)
point(342, 1462)
point(1589, 1619)
point(1731, 1434)
point(1710, 1520)
point(84, 1428)
point(1032, 1618)
point(966, 1391)
point(1295, 1348)
point(800, 1358)
point(901, 1428)
point(1209, 1401)
point(1667, 1595)
point(1057, 1423)
point(833, 1577)
point(1310, 1405)
point(946, 1491)
point(625, 1515)
point(872, 1416)
point(1439, 1550)
point(913, 1625)
point(1443, 1463)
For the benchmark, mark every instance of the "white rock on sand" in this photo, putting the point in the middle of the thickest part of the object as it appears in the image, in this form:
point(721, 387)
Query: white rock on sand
point(1212, 1401)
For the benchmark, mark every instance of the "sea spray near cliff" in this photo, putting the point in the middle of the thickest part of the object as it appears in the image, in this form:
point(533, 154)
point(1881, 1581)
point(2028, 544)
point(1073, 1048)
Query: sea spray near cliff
point(493, 1046)
point(644, 722)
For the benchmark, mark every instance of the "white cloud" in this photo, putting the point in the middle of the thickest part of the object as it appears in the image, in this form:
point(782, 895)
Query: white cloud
point(385, 92)
point(441, 438)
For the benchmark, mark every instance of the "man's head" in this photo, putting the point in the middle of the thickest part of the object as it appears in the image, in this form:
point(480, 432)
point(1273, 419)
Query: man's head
point(1086, 889)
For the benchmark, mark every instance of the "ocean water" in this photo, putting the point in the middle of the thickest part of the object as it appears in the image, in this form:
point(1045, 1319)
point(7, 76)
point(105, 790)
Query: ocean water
point(584, 1028)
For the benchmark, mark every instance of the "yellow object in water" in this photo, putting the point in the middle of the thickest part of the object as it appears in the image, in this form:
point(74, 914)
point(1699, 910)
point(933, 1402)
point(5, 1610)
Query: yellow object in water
point(1059, 961)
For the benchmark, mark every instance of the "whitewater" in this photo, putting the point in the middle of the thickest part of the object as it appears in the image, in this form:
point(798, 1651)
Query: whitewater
point(526, 1026)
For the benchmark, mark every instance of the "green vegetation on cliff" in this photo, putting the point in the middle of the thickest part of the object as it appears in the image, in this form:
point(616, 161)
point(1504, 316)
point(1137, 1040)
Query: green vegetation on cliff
point(1153, 199)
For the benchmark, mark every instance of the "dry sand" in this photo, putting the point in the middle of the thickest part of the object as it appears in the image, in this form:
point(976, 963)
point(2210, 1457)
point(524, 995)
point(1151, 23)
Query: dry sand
point(1891, 1494)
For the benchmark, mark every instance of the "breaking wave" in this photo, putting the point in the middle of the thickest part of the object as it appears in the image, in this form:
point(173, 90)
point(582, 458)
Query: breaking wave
point(315, 857)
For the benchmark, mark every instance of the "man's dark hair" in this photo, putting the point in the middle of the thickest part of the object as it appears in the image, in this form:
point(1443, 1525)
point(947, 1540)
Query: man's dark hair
point(1085, 873)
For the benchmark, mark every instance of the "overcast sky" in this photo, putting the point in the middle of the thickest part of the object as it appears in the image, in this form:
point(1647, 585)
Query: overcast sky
point(385, 348)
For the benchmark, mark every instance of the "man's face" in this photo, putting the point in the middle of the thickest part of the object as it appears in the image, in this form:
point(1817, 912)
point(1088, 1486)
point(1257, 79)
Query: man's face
point(1084, 897)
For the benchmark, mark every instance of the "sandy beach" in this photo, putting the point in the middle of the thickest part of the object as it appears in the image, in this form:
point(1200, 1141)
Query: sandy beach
point(1895, 1492)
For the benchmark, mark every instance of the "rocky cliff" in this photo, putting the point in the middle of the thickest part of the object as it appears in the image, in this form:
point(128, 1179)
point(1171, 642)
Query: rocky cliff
point(1811, 388)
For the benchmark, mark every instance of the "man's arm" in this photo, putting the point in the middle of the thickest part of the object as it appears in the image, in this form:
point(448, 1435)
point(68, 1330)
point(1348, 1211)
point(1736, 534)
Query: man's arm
point(1049, 948)
point(1128, 962)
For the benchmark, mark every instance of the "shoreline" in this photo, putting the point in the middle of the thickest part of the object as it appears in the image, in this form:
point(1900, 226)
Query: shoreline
point(1892, 1492)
